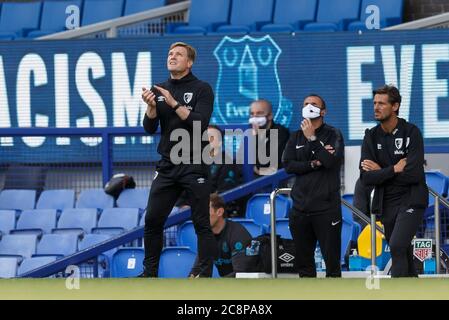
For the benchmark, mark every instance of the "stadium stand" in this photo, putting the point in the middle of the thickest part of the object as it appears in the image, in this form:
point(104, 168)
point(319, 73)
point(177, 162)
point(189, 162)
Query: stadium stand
point(33, 263)
point(56, 199)
point(391, 13)
point(77, 221)
point(258, 208)
point(8, 267)
point(7, 221)
point(58, 245)
point(134, 198)
point(18, 19)
point(127, 262)
point(17, 199)
point(94, 198)
point(117, 220)
point(334, 15)
point(37, 221)
point(176, 262)
point(18, 245)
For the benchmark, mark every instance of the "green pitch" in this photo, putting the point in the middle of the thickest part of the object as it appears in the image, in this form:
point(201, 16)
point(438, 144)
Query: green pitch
point(222, 289)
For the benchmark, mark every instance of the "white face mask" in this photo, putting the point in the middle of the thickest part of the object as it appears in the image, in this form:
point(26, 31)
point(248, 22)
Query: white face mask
point(310, 112)
point(258, 121)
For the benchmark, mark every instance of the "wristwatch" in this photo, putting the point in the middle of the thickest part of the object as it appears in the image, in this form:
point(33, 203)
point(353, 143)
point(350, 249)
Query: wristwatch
point(312, 138)
point(177, 106)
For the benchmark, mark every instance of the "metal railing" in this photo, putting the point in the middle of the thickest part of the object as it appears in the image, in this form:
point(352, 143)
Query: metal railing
point(439, 199)
point(434, 22)
point(177, 12)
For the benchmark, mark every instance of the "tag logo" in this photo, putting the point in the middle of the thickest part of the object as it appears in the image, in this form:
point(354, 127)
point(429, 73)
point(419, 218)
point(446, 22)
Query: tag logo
point(398, 143)
point(422, 249)
point(188, 97)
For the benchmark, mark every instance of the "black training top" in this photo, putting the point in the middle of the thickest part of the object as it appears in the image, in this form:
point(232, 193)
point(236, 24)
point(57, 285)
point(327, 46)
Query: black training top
point(198, 97)
point(316, 190)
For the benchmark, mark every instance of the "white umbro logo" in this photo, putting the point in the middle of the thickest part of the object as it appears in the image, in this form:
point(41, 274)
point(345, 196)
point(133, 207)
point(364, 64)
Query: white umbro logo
point(299, 147)
point(287, 257)
point(335, 223)
point(200, 180)
point(161, 98)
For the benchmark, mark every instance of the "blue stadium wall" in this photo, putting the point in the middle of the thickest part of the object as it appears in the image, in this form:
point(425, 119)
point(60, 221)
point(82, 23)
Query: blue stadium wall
point(97, 83)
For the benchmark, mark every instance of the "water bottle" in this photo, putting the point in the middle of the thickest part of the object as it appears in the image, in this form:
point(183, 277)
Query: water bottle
point(318, 259)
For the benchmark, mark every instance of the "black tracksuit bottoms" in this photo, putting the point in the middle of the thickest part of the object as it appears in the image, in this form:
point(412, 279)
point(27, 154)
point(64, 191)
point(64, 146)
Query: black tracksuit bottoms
point(401, 224)
point(167, 186)
point(325, 228)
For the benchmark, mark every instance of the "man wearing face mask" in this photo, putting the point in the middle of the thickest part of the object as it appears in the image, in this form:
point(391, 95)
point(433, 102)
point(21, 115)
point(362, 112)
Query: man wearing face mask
point(261, 117)
point(315, 154)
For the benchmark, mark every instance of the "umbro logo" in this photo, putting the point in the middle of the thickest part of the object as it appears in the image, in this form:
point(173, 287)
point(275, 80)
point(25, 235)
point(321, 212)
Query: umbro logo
point(161, 98)
point(201, 180)
point(286, 257)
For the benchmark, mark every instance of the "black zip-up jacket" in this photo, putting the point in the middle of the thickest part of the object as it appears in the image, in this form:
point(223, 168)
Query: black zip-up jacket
point(198, 96)
point(316, 190)
point(407, 188)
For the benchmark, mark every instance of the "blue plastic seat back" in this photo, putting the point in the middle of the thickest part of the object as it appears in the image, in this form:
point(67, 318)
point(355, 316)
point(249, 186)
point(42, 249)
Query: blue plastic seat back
point(391, 11)
point(101, 10)
point(95, 198)
point(57, 244)
point(291, 11)
point(44, 219)
point(253, 228)
point(258, 208)
point(17, 199)
point(17, 16)
point(126, 218)
point(30, 264)
point(85, 219)
point(187, 236)
point(135, 6)
point(8, 267)
point(93, 239)
point(438, 182)
point(176, 262)
point(349, 197)
point(335, 11)
point(283, 229)
point(134, 198)
point(7, 221)
point(56, 199)
point(127, 262)
point(247, 12)
point(203, 13)
point(54, 14)
point(18, 244)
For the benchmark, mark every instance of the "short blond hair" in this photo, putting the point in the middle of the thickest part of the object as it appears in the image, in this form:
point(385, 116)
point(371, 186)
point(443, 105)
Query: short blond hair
point(191, 52)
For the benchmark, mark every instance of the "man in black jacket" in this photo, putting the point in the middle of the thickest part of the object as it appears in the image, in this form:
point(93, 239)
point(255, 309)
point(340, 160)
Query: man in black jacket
point(392, 160)
point(183, 107)
point(315, 154)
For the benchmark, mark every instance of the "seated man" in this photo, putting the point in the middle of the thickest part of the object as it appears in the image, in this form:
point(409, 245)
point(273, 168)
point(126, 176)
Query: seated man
point(232, 239)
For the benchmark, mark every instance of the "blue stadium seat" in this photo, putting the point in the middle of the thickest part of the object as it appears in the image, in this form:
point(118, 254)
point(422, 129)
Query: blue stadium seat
point(95, 198)
point(248, 16)
point(283, 229)
point(117, 220)
point(8, 267)
point(103, 260)
point(136, 6)
point(37, 221)
point(54, 17)
point(19, 245)
point(77, 221)
point(258, 208)
point(348, 217)
point(438, 182)
point(133, 198)
point(127, 262)
point(58, 245)
point(346, 235)
point(7, 221)
point(390, 13)
point(17, 19)
point(176, 262)
point(291, 15)
point(334, 15)
point(95, 11)
point(17, 199)
point(201, 23)
point(187, 236)
point(253, 228)
point(56, 199)
point(30, 264)
point(349, 197)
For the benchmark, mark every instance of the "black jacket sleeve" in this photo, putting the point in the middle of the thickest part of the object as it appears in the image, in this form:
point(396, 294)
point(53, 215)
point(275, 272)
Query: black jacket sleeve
point(284, 135)
point(150, 125)
point(327, 159)
point(413, 172)
point(376, 177)
point(203, 108)
point(289, 159)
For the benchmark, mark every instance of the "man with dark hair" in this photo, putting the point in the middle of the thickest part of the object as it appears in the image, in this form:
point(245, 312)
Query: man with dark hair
point(261, 117)
point(393, 161)
point(232, 240)
point(315, 154)
point(180, 103)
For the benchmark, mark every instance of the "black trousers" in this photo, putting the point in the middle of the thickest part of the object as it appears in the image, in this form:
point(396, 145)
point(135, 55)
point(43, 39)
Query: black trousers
point(325, 228)
point(401, 224)
point(167, 186)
